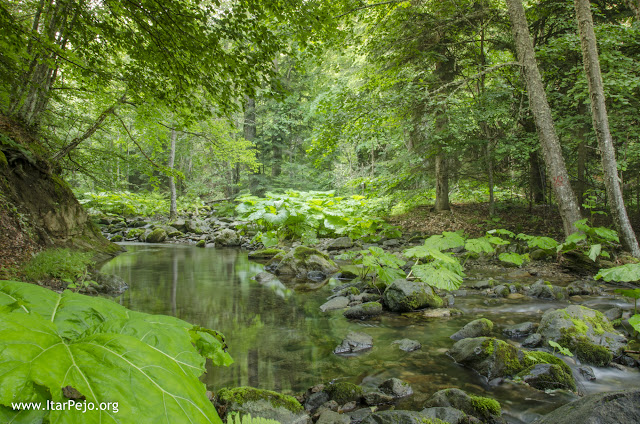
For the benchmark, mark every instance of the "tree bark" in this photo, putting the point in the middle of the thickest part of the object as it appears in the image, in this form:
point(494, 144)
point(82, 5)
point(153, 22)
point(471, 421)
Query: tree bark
point(173, 208)
point(442, 182)
point(601, 127)
point(536, 179)
point(581, 185)
point(551, 150)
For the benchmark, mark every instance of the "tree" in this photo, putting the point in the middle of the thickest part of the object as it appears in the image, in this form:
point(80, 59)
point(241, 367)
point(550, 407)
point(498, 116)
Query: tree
point(552, 154)
point(601, 126)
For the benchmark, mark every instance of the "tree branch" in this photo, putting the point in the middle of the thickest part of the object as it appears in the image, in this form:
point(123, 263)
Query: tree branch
point(367, 6)
point(136, 143)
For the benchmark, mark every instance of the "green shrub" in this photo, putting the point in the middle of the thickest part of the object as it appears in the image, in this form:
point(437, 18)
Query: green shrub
point(234, 418)
point(62, 264)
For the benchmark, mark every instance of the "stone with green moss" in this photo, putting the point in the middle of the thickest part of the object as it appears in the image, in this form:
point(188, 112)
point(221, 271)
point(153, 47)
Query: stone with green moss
point(547, 377)
point(301, 260)
point(364, 311)
point(483, 408)
point(262, 403)
point(201, 243)
point(156, 236)
point(3, 160)
point(476, 328)
point(406, 296)
point(264, 253)
point(134, 233)
point(401, 417)
point(116, 238)
point(344, 392)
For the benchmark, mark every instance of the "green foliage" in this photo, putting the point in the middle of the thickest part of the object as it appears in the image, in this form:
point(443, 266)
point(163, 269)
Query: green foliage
point(590, 241)
point(106, 353)
point(562, 350)
point(309, 215)
point(635, 322)
point(438, 269)
point(623, 273)
point(544, 243)
point(235, 418)
point(486, 244)
point(126, 203)
point(514, 258)
point(62, 264)
point(376, 264)
point(632, 293)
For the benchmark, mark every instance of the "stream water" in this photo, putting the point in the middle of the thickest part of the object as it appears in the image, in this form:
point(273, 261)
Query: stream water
point(281, 341)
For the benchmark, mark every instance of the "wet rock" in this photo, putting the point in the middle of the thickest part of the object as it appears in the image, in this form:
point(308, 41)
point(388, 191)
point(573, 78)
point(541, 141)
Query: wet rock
point(315, 401)
point(434, 313)
point(264, 253)
point(586, 332)
point(354, 342)
point(348, 407)
point(377, 398)
point(395, 417)
point(116, 238)
point(540, 255)
point(343, 392)
point(519, 330)
point(534, 340)
point(156, 236)
point(475, 328)
point(545, 290)
point(408, 345)
point(109, 283)
point(405, 296)
point(179, 224)
point(301, 260)
point(364, 311)
point(227, 238)
point(501, 290)
point(581, 288)
point(391, 243)
point(449, 415)
point(547, 377)
point(613, 313)
point(340, 243)
point(316, 276)
point(263, 403)
point(485, 409)
point(330, 417)
point(482, 285)
point(587, 373)
point(620, 407)
point(396, 388)
point(196, 226)
point(339, 302)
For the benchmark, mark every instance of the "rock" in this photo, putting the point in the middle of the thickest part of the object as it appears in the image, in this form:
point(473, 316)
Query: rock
point(201, 243)
point(340, 243)
point(315, 401)
point(495, 358)
point(299, 261)
point(515, 296)
point(395, 417)
point(519, 330)
point(534, 340)
point(116, 238)
point(196, 226)
point(329, 417)
point(396, 388)
point(540, 255)
point(475, 328)
point(408, 345)
point(449, 415)
point(355, 342)
point(580, 288)
point(501, 290)
point(179, 224)
point(611, 314)
point(545, 290)
point(263, 403)
point(264, 253)
point(434, 313)
point(343, 392)
point(156, 236)
point(391, 243)
point(405, 296)
point(227, 238)
point(547, 377)
point(587, 373)
point(586, 332)
point(339, 302)
point(620, 407)
point(364, 311)
point(483, 285)
point(109, 283)
point(377, 398)
point(265, 277)
point(485, 409)
point(134, 233)
point(518, 275)
point(348, 407)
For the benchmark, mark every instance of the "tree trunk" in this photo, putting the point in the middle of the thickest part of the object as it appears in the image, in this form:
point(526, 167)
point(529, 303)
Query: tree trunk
point(173, 208)
point(601, 127)
point(581, 185)
point(551, 150)
point(536, 179)
point(249, 126)
point(489, 156)
point(442, 182)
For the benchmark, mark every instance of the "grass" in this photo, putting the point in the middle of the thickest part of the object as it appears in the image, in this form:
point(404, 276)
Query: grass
point(57, 263)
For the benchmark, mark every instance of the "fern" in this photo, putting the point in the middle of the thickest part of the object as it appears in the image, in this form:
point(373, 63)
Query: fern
point(234, 418)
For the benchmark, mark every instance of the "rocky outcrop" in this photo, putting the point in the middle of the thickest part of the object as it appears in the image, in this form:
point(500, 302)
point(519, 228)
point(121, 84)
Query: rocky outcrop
point(619, 407)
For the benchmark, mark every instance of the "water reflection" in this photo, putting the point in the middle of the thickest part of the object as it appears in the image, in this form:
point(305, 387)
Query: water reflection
point(281, 341)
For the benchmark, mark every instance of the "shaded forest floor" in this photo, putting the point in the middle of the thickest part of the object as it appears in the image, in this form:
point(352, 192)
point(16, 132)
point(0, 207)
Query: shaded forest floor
point(474, 220)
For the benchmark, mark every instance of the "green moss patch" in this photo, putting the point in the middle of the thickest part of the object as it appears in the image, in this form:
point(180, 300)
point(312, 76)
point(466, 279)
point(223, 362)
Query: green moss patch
point(485, 407)
point(343, 392)
point(242, 395)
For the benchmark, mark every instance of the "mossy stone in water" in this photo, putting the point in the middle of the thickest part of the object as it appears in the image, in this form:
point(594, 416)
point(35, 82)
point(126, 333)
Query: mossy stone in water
point(548, 377)
point(343, 392)
point(242, 395)
point(265, 253)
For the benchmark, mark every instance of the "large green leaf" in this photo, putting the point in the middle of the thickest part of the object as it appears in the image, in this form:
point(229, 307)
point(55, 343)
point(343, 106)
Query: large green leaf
point(149, 364)
point(622, 273)
point(439, 277)
point(635, 322)
point(448, 240)
point(514, 258)
point(479, 245)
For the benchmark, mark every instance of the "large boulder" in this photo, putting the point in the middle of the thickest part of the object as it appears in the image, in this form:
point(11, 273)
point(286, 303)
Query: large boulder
point(586, 332)
point(263, 403)
point(405, 296)
point(485, 409)
point(300, 261)
point(619, 407)
point(476, 328)
point(227, 238)
point(495, 358)
point(156, 236)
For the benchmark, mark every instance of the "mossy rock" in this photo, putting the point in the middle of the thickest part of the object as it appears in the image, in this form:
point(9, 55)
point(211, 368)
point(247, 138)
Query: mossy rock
point(483, 408)
point(590, 353)
point(548, 377)
point(265, 253)
point(135, 233)
point(262, 403)
point(156, 236)
point(344, 392)
point(476, 328)
point(116, 238)
point(301, 260)
point(201, 243)
point(3, 159)
point(406, 296)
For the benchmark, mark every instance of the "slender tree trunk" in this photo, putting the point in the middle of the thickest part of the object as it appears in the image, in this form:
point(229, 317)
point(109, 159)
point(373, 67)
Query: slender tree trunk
point(581, 185)
point(551, 150)
point(442, 182)
point(601, 127)
point(536, 180)
point(173, 208)
point(489, 156)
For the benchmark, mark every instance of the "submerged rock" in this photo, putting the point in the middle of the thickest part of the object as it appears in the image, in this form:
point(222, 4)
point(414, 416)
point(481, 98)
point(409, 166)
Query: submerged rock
point(339, 302)
point(476, 328)
point(109, 283)
point(405, 296)
point(408, 345)
point(354, 343)
point(396, 388)
point(619, 407)
point(519, 330)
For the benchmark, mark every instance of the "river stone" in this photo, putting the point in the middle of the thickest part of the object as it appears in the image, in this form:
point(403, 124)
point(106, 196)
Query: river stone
point(587, 373)
point(264, 253)
point(620, 407)
point(580, 288)
point(263, 403)
point(519, 330)
point(339, 302)
point(449, 415)
point(196, 226)
point(485, 409)
point(434, 313)
point(156, 236)
point(476, 328)
point(302, 259)
point(354, 342)
point(227, 238)
point(315, 401)
point(534, 340)
point(340, 243)
point(396, 388)
point(542, 290)
point(329, 417)
point(613, 313)
point(364, 311)
point(408, 345)
point(588, 333)
point(490, 357)
point(377, 398)
point(396, 417)
point(109, 283)
point(344, 392)
point(547, 377)
point(116, 238)
point(501, 290)
point(405, 296)
point(179, 224)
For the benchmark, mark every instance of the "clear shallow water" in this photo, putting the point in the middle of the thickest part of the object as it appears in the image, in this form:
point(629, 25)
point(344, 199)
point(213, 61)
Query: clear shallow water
point(281, 341)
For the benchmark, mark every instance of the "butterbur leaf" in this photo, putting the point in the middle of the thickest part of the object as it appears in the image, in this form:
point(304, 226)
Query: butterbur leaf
point(635, 322)
point(439, 277)
point(632, 293)
point(514, 258)
point(594, 252)
point(623, 273)
point(389, 275)
point(479, 245)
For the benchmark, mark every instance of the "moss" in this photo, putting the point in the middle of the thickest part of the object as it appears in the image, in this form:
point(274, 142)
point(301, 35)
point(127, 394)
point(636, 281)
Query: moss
point(548, 284)
point(116, 238)
point(135, 233)
point(265, 253)
point(241, 395)
point(343, 392)
point(3, 159)
point(536, 357)
point(435, 301)
point(201, 243)
point(485, 407)
point(593, 354)
point(556, 378)
point(302, 253)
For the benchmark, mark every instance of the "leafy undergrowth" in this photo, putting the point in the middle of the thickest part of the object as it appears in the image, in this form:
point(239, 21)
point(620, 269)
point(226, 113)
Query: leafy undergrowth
point(98, 354)
point(125, 203)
